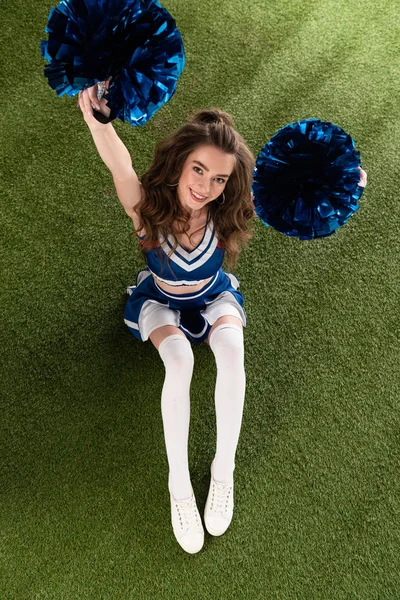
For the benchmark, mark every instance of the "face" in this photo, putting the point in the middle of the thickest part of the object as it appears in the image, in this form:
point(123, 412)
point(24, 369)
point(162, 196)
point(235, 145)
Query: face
point(204, 177)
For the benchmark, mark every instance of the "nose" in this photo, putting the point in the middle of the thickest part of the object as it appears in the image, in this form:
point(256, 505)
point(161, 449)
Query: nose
point(205, 188)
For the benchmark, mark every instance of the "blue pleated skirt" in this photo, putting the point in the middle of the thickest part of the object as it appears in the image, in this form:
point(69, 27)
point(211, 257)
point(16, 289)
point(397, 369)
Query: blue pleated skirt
point(149, 307)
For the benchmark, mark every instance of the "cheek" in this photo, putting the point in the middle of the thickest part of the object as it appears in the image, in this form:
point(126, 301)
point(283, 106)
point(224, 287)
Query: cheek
point(184, 178)
point(188, 177)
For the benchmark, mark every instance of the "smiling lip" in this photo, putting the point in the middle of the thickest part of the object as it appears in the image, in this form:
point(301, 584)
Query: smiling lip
point(197, 199)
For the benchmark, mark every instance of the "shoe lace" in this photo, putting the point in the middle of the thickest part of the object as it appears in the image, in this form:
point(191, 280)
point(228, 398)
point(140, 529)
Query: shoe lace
point(188, 514)
point(221, 494)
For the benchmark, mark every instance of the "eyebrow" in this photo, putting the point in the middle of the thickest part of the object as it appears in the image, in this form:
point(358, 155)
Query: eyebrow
point(205, 168)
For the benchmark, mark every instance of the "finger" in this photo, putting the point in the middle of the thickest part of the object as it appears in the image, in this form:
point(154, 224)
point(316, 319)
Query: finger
point(363, 178)
point(82, 107)
point(80, 102)
point(92, 93)
point(87, 104)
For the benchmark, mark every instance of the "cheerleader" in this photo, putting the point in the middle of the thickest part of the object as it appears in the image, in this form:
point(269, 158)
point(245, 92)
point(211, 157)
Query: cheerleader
point(192, 209)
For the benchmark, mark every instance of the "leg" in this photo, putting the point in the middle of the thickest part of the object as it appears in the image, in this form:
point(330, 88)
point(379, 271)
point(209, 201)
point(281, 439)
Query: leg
point(159, 334)
point(177, 356)
point(226, 342)
point(222, 321)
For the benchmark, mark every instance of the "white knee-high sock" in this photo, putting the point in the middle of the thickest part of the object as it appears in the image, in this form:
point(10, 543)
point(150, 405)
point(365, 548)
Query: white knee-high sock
point(226, 342)
point(177, 356)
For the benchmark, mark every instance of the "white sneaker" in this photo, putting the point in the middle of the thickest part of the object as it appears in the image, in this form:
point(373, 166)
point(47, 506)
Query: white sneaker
point(187, 525)
point(218, 512)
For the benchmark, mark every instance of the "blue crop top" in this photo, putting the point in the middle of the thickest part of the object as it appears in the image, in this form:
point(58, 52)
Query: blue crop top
point(189, 267)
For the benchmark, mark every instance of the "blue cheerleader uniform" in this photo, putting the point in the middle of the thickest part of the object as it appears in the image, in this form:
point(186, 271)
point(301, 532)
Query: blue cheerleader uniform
point(149, 306)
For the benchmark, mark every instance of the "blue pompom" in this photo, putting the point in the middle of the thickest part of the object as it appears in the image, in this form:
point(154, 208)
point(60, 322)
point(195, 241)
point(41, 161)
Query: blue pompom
point(306, 179)
point(133, 42)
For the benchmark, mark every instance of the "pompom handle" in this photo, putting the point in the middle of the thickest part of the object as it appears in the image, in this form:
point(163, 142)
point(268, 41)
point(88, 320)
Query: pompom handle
point(102, 118)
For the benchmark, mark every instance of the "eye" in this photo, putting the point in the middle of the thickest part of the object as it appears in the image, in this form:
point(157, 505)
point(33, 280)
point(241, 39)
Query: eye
point(198, 169)
point(220, 180)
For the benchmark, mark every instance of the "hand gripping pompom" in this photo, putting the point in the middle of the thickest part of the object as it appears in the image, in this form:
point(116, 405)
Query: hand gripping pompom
point(133, 42)
point(306, 179)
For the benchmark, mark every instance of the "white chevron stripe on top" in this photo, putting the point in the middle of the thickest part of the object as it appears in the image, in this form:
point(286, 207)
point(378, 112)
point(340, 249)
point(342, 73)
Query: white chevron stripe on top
point(192, 254)
point(196, 265)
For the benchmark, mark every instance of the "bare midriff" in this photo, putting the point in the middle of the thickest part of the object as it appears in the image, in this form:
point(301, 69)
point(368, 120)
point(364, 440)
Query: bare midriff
point(181, 289)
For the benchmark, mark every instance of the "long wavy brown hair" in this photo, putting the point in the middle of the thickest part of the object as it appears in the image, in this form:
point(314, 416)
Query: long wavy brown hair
point(159, 210)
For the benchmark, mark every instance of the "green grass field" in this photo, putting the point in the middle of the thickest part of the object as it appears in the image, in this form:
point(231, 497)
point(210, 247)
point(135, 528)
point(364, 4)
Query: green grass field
point(85, 510)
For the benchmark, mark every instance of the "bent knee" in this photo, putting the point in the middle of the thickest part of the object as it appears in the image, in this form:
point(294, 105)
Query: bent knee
point(157, 335)
point(227, 343)
point(176, 352)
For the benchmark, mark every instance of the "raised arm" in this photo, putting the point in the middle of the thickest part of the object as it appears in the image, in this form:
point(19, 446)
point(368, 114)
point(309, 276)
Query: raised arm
point(112, 151)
